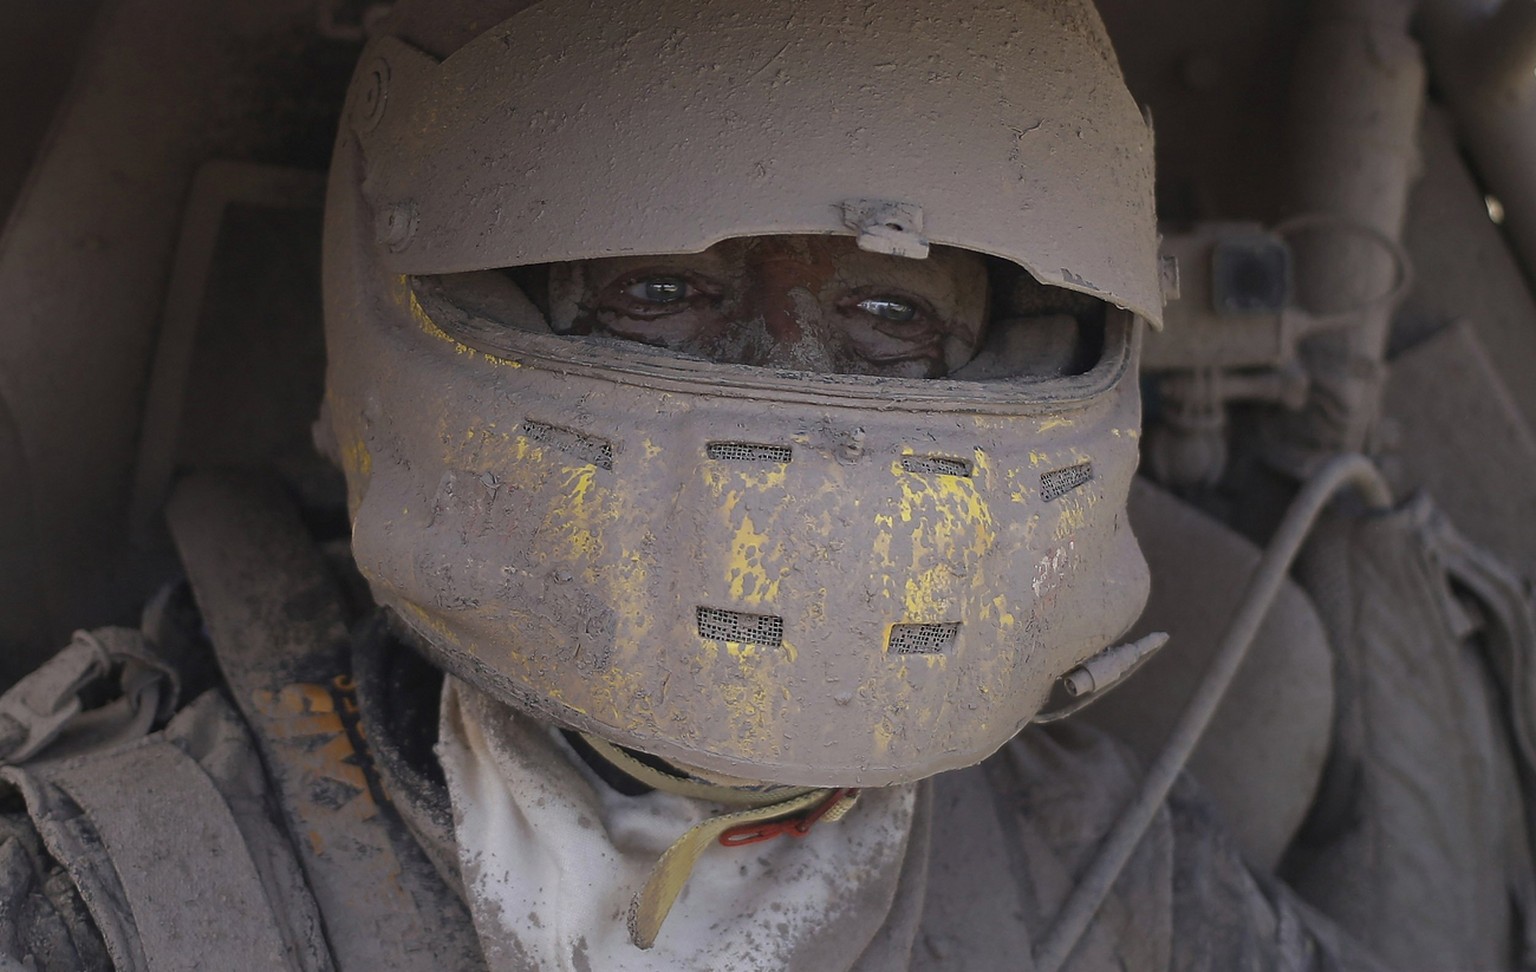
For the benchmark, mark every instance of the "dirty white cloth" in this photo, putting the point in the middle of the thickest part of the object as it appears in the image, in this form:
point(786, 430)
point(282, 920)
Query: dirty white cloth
point(551, 857)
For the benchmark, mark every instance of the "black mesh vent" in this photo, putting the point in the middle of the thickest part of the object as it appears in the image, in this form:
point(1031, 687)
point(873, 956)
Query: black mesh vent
point(748, 452)
point(936, 465)
point(1060, 481)
point(922, 639)
point(758, 629)
point(588, 448)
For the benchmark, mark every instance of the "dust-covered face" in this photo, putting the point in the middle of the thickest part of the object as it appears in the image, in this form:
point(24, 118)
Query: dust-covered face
point(808, 303)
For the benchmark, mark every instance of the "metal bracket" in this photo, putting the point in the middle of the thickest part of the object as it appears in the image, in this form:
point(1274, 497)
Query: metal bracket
point(885, 226)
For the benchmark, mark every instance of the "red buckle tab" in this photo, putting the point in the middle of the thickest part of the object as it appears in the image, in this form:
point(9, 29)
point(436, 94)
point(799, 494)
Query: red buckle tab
point(795, 826)
point(750, 834)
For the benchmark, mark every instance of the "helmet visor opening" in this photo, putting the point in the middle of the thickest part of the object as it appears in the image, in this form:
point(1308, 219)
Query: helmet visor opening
point(1013, 339)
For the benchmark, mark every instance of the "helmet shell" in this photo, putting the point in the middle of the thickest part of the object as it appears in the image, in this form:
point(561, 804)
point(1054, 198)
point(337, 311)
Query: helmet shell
point(576, 130)
point(801, 579)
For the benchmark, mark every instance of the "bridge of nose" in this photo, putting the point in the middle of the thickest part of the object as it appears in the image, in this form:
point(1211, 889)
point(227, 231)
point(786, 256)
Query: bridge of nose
point(786, 283)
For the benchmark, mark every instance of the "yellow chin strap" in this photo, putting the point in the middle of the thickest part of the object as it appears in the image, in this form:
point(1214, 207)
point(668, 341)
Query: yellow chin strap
point(765, 814)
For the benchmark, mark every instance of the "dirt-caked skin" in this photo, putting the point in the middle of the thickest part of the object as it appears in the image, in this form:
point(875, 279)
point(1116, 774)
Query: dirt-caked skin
point(809, 303)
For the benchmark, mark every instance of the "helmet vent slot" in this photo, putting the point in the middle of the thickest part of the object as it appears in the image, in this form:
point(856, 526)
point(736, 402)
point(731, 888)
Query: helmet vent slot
point(922, 639)
point(588, 448)
point(1059, 482)
point(936, 466)
point(757, 629)
point(748, 452)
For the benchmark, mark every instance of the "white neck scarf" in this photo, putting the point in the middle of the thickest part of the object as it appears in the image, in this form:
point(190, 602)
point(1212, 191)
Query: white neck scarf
point(551, 857)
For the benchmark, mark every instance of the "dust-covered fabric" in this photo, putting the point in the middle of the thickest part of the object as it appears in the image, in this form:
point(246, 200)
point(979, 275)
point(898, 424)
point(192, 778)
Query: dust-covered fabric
point(168, 845)
point(1417, 842)
point(964, 872)
point(44, 925)
point(551, 857)
point(126, 849)
point(1010, 836)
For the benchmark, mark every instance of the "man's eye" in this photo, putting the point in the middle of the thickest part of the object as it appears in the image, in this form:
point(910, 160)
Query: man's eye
point(888, 308)
point(659, 290)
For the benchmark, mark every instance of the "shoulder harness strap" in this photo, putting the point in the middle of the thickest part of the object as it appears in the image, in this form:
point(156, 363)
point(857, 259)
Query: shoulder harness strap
point(274, 613)
point(170, 855)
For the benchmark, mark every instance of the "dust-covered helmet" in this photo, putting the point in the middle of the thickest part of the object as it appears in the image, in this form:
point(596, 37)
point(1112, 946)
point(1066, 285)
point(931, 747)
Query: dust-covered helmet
point(769, 574)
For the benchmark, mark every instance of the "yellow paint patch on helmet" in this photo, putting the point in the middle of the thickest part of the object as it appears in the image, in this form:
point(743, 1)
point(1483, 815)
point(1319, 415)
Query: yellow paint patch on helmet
point(720, 476)
point(933, 534)
point(764, 478)
point(1004, 618)
point(1072, 518)
point(748, 710)
point(356, 458)
point(575, 527)
point(929, 597)
point(423, 320)
point(746, 573)
point(631, 595)
point(716, 478)
point(622, 700)
point(741, 650)
point(749, 681)
point(950, 508)
point(1017, 492)
point(882, 545)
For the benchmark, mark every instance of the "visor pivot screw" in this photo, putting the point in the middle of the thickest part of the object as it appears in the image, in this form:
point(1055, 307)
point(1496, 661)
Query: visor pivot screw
point(396, 225)
point(372, 95)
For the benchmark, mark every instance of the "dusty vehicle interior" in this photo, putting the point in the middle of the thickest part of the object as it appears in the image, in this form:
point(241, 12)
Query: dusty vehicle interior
point(1346, 193)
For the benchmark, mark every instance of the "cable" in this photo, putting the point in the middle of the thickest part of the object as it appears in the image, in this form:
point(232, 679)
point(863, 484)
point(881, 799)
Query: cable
point(1089, 892)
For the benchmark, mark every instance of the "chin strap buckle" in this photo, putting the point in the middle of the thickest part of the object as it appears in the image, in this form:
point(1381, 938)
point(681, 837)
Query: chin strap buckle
point(833, 808)
point(795, 816)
